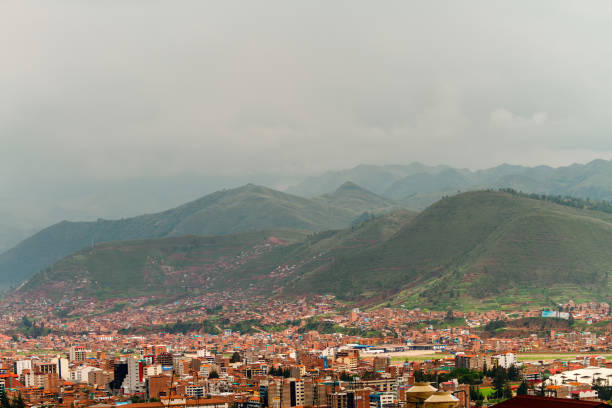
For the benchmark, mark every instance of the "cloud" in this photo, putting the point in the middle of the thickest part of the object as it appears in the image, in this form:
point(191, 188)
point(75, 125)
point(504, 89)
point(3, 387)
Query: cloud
point(503, 118)
point(119, 89)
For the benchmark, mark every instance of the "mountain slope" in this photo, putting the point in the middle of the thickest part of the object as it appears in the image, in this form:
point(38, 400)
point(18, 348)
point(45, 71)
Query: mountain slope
point(253, 260)
point(246, 208)
point(164, 267)
point(350, 195)
point(462, 252)
point(476, 245)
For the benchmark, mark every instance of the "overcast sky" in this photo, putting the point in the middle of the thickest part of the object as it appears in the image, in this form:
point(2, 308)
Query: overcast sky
point(123, 89)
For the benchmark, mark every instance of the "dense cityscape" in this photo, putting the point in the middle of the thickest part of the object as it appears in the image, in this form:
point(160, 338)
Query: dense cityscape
point(257, 353)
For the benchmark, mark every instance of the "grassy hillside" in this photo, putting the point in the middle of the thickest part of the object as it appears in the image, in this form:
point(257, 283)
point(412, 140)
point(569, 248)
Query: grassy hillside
point(248, 208)
point(475, 246)
point(167, 266)
point(286, 264)
point(473, 250)
point(255, 260)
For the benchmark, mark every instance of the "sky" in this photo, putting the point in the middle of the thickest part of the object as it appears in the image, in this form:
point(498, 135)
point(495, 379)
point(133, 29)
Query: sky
point(104, 91)
point(139, 88)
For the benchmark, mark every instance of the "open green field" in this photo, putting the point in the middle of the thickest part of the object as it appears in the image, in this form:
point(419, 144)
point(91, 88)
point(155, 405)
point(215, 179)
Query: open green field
point(33, 352)
point(422, 357)
point(556, 356)
point(520, 357)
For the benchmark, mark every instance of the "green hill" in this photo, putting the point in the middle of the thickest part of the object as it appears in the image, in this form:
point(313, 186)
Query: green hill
point(168, 266)
point(247, 208)
point(165, 267)
point(474, 246)
point(473, 250)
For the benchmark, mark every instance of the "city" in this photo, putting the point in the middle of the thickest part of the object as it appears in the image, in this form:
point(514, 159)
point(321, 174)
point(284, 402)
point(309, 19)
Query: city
point(307, 352)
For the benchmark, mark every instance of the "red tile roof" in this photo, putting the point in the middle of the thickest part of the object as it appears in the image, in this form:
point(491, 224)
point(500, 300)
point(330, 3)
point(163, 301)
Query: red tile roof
point(529, 401)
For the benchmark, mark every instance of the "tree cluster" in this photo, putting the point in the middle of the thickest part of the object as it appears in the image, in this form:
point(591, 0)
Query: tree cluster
point(568, 201)
point(15, 403)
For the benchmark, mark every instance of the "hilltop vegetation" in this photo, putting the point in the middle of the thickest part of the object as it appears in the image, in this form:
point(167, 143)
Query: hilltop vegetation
point(477, 249)
point(249, 208)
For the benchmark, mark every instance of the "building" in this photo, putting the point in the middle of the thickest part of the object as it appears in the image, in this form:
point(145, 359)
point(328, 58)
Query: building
point(505, 360)
point(529, 401)
point(382, 399)
point(134, 383)
point(77, 354)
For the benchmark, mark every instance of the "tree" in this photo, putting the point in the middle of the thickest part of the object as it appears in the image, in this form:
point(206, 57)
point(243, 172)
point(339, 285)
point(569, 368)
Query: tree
point(507, 391)
point(476, 394)
point(236, 358)
point(4, 402)
point(213, 374)
point(26, 322)
point(499, 384)
point(514, 373)
point(522, 389)
point(18, 403)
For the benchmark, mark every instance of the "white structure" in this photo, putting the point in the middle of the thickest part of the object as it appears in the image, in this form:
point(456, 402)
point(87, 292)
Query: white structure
point(382, 399)
point(584, 375)
point(152, 370)
point(134, 380)
point(21, 365)
point(80, 374)
point(506, 360)
point(63, 370)
point(195, 391)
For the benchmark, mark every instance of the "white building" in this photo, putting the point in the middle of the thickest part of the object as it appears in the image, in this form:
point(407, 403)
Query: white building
point(21, 365)
point(80, 374)
point(506, 360)
point(584, 375)
point(134, 380)
point(153, 369)
point(195, 391)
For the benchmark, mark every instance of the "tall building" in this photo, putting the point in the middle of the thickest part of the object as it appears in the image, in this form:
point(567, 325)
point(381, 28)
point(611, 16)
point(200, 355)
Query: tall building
point(287, 393)
point(380, 363)
point(349, 399)
point(77, 354)
point(133, 382)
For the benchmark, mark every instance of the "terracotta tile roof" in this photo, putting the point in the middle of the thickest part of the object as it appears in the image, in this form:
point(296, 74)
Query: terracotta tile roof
point(529, 401)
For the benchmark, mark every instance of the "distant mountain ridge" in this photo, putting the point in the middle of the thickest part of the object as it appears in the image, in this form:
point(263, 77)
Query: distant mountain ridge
point(247, 208)
point(417, 186)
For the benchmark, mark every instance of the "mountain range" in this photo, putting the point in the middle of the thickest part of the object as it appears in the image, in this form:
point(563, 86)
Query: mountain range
point(417, 186)
point(473, 250)
point(248, 208)
point(27, 209)
point(355, 234)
